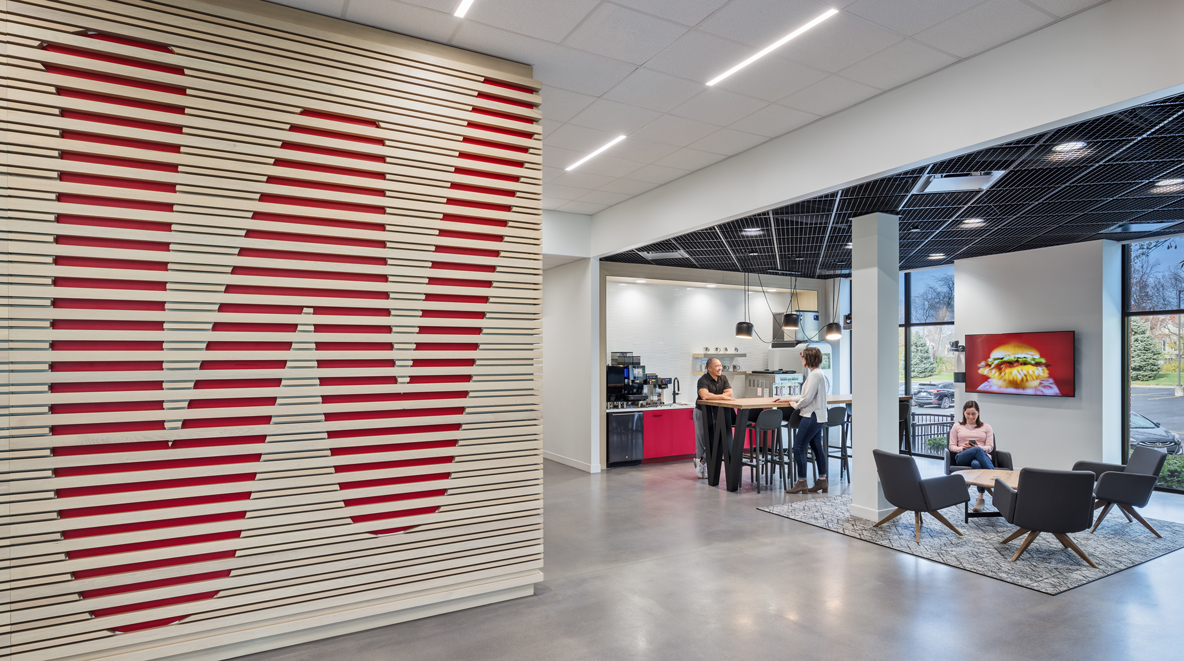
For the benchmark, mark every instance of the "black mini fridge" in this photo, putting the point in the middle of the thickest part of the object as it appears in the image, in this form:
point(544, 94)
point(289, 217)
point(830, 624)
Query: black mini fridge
point(625, 438)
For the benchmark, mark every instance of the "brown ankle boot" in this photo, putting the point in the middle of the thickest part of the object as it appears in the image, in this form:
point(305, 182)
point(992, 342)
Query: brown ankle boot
point(819, 485)
point(798, 487)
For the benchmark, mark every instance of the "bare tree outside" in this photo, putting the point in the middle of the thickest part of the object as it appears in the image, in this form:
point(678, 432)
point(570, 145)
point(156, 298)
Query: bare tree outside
point(935, 302)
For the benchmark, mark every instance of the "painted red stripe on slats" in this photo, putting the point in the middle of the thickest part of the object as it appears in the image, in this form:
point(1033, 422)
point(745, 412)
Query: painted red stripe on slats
point(153, 544)
point(120, 142)
point(494, 145)
point(456, 282)
point(120, 121)
point(119, 223)
point(106, 428)
point(309, 275)
point(490, 97)
point(107, 386)
point(259, 290)
point(92, 200)
point(340, 153)
point(94, 324)
point(219, 384)
point(321, 133)
point(498, 130)
point(99, 283)
point(159, 503)
point(137, 526)
point(105, 407)
point(480, 189)
point(267, 235)
point(341, 416)
point(316, 185)
point(100, 242)
point(234, 326)
point(114, 80)
point(472, 252)
point(321, 204)
point(491, 160)
point(447, 330)
point(114, 59)
point(329, 169)
point(453, 298)
point(116, 182)
point(469, 236)
point(451, 314)
point(338, 118)
point(96, 263)
point(486, 175)
point(455, 266)
point(120, 101)
point(153, 564)
point(446, 346)
point(106, 366)
point(119, 162)
point(502, 115)
point(509, 86)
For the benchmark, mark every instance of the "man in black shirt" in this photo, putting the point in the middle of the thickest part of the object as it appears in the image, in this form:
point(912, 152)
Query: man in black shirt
point(712, 386)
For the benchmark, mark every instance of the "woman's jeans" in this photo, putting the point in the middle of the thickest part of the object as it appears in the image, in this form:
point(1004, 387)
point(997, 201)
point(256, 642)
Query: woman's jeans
point(974, 457)
point(809, 434)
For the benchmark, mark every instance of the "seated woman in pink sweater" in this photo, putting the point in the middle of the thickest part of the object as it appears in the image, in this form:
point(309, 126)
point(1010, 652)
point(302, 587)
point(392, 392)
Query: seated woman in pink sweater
point(972, 442)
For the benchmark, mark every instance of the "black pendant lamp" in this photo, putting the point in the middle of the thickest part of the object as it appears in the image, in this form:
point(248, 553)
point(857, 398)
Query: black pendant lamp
point(833, 332)
point(789, 321)
point(744, 328)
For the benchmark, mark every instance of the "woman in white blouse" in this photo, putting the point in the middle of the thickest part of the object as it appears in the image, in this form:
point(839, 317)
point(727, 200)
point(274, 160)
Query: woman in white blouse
point(812, 406)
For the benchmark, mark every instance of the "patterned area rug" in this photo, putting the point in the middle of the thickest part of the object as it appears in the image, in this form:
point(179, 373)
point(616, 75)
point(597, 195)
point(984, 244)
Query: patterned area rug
point(1045, 567)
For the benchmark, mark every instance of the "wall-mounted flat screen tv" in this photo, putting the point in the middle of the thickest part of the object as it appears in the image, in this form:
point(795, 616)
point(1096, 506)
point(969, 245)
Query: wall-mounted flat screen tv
point(1021, 364)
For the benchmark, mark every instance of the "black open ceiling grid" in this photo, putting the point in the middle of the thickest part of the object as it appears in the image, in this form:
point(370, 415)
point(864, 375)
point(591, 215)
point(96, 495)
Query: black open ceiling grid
point(1045, 199)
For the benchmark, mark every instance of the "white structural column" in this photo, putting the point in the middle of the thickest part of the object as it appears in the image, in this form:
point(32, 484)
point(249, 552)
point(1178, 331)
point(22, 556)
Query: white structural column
point(875, 278)
point(572, 364)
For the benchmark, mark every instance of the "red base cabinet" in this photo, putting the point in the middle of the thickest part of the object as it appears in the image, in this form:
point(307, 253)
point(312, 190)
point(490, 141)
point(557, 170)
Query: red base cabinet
point(669, 433)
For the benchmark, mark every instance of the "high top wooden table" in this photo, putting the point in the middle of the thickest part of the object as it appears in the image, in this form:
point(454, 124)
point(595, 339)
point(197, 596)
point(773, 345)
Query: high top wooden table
point(718, 449)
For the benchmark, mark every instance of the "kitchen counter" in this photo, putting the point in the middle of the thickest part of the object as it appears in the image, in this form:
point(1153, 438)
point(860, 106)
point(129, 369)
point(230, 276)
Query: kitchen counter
point(664, 407)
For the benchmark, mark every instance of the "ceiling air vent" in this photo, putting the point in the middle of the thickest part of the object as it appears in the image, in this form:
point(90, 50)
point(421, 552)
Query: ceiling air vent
point(1139, 227)
point(671, 254)
point(957, 183)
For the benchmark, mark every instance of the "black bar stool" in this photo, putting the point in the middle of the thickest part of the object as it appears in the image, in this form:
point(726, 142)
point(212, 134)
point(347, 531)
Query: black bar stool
point(836, 416)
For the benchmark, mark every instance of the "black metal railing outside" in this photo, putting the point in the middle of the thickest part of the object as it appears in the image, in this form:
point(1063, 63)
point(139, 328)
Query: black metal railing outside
point(928, 434)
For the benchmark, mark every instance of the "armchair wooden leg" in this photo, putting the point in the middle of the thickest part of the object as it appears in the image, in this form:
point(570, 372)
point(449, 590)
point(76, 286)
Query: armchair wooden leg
point(1024, 547)
point(1127, 509)
point(918, 524)
point(1015, 534)
point(1101, 516)
point(939, 517)
point(1068, 543)
point(1099, 504)
point(898, 512)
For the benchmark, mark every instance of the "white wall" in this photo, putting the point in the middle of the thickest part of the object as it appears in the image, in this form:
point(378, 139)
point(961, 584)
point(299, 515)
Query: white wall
point(572, 366)
point(1113, 56)
point(1075, 287)
point(665, 324)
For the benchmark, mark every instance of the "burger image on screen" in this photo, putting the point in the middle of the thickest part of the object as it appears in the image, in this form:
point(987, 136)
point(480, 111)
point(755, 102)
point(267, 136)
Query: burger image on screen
point(1014, 365)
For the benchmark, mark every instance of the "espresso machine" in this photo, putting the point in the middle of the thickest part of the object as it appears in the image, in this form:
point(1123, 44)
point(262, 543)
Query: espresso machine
point(626, 381)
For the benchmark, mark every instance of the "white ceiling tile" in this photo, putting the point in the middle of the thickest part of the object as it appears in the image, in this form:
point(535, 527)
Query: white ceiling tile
point(728, 142)
point(446, 6)
point(605, 197)
point(657, 174)
point(550, 173)
point(554, 157)
point(909, 16)
point(772, 79)
point(673, 130)
point(897, 65)
point(838, 43)
point(774, 120)
point(687, 12)
point(579, 139)
point(1065, 7)
point(624, 34)
point(985, 26)
point(720, 107)
point(830, 95)
point(404, 19)
point(587, 208)
point(699, 56)
point(577, 179)
point(554, 65)
point(761, 22)
point(689, 159)
point(324, 7)
point(561, 105)
point(614, 117)
point(654, 90)
point(609, 166)
point(642, 151)
point(553, 203)
point(568, 193)
point(628, 186)
point(544, 19)
point(548, 127)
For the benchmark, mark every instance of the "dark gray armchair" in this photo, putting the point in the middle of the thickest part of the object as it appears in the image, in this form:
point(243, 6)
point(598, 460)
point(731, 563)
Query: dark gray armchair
point(1057, 502)
point(904, 488)
point(1127, 486)
point(1001, 460)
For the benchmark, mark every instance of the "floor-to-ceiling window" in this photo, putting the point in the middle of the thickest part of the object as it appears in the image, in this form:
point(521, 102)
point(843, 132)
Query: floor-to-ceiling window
point(1154, 274)
point(926, 364)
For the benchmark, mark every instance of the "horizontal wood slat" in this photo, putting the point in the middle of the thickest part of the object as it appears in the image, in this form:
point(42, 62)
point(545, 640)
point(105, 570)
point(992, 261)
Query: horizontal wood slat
point(270, 326)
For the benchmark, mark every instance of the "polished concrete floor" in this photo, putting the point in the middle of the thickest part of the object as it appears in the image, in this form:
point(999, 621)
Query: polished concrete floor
point(650, 563)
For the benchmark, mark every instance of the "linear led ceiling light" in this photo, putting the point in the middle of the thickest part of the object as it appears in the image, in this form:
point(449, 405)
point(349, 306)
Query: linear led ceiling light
point(595, 153)
point(773, 46)
point(463, 8)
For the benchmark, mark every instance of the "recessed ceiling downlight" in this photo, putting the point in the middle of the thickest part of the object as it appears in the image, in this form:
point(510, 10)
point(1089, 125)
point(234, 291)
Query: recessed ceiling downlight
point(937, 255)
point(1065, 147)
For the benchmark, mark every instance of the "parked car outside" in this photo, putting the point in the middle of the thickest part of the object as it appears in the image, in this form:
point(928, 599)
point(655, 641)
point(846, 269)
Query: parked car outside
point(934, 394)
point(1150, 434)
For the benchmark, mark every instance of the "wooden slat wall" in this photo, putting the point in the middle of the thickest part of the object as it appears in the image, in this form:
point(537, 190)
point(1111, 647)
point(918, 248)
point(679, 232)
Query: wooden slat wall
point(271, 327)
